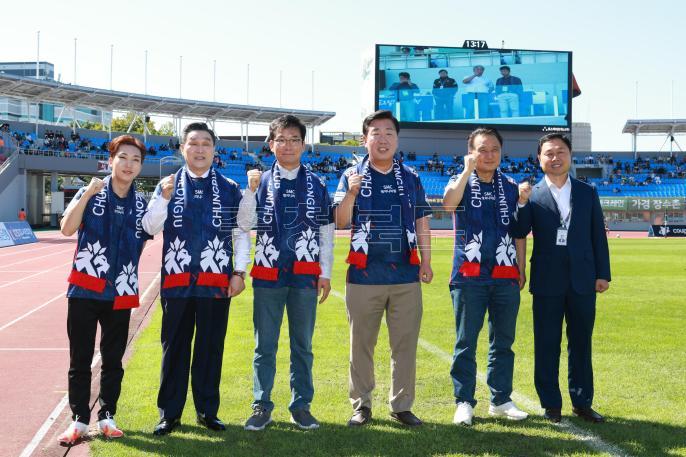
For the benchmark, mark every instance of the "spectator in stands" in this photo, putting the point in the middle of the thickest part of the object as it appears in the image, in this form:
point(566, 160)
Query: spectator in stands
point(570, 264)
point(196, 293)
point(485, 276)
point(508, 90)
point(405, 91)
point(385, 268)
point(444, 91)
point(102, 285)
point(295, 221)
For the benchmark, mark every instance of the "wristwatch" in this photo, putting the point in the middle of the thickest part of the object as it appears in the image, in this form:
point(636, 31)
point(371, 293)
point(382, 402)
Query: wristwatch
point(239, 273)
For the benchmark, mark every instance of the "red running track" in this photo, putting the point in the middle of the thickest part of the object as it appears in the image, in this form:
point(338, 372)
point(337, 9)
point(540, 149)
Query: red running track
point(34, 349)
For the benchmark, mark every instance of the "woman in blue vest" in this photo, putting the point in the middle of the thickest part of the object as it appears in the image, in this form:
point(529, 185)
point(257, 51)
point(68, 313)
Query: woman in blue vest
point(103, 283)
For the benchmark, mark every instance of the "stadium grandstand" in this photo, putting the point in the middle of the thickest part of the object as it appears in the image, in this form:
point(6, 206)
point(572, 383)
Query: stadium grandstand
point(636, 190)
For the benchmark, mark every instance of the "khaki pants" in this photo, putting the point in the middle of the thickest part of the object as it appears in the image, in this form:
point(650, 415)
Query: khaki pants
point(365, 306)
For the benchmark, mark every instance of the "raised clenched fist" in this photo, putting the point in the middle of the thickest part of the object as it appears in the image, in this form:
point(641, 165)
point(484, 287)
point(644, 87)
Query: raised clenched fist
point(167, 187)
point(524, 192)
point(354, 182)
point(469, 162)
point(254, 179)
point(95, 186)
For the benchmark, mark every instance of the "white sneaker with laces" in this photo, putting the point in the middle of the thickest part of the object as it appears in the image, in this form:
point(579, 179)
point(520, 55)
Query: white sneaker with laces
point(463, 414)
point(507, 410)
point(109, 428)
point(73, 433)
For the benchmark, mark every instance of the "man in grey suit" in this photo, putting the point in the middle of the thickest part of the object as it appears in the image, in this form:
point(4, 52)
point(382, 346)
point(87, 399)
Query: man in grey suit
point(570, 263)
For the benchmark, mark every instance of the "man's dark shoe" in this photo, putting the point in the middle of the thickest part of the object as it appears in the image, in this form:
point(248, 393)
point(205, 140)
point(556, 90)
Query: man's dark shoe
point(407, 418)
point(165, 426)
point(360, 417)
point(211, 422)
point(259, 419)
point(553, 415)
point(304, 419)
point(588, 415)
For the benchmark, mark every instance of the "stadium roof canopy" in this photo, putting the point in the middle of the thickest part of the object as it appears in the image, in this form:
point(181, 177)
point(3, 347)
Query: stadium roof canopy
point(37, 90)
point(655, 126)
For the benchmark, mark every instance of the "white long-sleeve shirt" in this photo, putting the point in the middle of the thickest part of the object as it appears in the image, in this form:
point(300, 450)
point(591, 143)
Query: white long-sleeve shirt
point(562, 196)
point(153, 223)
point(327, 232)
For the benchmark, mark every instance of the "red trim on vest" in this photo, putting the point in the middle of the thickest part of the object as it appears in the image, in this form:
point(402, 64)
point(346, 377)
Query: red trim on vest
point(470, 269)
point(306, 268)
point(359, 259)
point(264, 273)
point(177, 280)
point(213, 279)
point(126, 302)
point(414, 257)
point(503, 272)
point(87, 281)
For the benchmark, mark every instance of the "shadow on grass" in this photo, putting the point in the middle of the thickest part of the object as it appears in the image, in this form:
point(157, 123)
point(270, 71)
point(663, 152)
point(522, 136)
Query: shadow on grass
point(381, 438)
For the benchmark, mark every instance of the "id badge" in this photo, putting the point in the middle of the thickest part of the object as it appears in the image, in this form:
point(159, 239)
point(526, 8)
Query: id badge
point(562, 237)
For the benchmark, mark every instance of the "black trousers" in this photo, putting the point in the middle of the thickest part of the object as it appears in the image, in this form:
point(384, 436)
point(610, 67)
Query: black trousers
point(83, 316)
point(181, 316)
point(579, 313)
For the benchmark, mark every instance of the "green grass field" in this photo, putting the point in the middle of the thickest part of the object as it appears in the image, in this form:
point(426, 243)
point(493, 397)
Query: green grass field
point(639, 360)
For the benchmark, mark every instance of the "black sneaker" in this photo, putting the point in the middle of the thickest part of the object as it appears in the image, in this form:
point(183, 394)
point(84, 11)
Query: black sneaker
point(259, 419)
point(304, 419)
point(360, 417)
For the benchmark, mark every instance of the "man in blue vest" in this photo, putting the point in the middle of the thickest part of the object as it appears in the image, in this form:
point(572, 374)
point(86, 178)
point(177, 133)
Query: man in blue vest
point(197, 208)
point(384, 203)
point(293, 261)
point(570, 264)
point(485, 276)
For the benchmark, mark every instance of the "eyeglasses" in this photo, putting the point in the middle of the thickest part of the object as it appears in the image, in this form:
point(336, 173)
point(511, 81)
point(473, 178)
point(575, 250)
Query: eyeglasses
point(292, 141)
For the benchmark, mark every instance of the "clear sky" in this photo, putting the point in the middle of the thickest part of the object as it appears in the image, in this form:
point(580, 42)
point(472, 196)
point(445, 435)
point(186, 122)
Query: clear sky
point(614, 43)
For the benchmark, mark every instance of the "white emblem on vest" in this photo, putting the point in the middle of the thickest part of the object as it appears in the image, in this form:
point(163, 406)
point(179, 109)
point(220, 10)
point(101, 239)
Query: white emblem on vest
point(127, 281)
point(265, 252)
point(92, 260)
point(307, 248)
point(360, 237)
point(214, 256)
point(473, 249)
point(506, 254)
point(177, 257)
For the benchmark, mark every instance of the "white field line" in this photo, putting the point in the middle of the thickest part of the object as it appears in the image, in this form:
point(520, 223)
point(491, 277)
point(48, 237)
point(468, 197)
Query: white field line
point(585, 436)
point(52, 417)
point(31, 259)
point(23, 251)
point(28, 313)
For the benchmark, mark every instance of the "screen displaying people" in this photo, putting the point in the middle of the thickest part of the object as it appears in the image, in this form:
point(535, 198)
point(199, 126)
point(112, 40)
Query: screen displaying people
point(474, 86)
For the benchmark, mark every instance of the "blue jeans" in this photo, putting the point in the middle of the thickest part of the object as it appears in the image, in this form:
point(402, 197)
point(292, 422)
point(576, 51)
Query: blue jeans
point(268, 306)
point(470, 304)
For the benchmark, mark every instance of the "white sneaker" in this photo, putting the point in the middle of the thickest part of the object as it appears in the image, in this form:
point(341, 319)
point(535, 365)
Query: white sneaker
point(507, 410)
point(109, 428)
point(73, 433)
point(463, 414)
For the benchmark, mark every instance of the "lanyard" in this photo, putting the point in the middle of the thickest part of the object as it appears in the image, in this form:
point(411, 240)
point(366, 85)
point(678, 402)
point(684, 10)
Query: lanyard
point(564, 223)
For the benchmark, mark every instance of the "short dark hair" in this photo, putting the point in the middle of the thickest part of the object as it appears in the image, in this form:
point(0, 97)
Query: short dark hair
point(554, 136)
point(287, 121)
point(443, 71)
point(505, 67)
point(479, 66)
point(381, 114)
point(122, 140)
point(484, 131)
point(404, 74)
point(198, 127)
